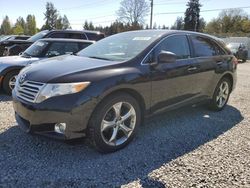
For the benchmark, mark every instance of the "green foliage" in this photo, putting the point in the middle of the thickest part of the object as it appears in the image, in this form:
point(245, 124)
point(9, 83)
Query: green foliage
point(65, 23)
point(230, 22)
point(192, 16)
point(30, 28)
point(51, 15)
point(17, 30)
point(5, 26)
point(179, 24)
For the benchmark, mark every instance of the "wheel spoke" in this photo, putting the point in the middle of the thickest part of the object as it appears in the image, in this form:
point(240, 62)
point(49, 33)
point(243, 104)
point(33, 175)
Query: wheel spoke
point(114, 134)
point(127, 115)
point(107, 124)
point(224, 96)
point(117, 107)
point(126, 130)
point(220, 101)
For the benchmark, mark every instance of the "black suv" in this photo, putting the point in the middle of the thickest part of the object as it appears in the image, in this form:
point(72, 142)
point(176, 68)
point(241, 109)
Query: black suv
point(14, 47)
point(106, 90)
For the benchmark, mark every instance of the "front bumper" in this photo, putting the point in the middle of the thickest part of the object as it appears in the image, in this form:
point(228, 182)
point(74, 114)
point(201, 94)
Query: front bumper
point(41, 118)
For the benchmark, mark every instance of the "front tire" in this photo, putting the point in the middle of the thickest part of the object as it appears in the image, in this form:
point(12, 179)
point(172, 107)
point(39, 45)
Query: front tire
point(9, 82)
point(114, 123)
point(221, 95)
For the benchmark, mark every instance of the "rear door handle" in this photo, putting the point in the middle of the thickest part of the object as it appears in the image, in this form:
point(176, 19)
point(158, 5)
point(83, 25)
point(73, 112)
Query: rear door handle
point(219, 63)
point(192, 69)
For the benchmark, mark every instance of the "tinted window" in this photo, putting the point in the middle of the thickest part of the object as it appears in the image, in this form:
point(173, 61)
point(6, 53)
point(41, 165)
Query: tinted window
point(60, 48)
point(57, 35)
point(76, 36)
point(204, 47)
point(177, 44)
point(94, 36)
point(83, 45)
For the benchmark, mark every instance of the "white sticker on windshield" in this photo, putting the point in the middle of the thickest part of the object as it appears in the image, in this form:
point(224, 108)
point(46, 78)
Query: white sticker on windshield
point(39, 43)
point(142, 38)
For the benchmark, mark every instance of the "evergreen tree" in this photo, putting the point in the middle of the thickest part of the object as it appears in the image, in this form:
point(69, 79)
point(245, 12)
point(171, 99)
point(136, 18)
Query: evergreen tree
point(51, 15)
point(192, 16)
point(5, 26)
point(30, 28)
point(91, 26)
point(86, 25)
point(59, 24)
point(19, 26)
point(179, 24)
point(65, 23)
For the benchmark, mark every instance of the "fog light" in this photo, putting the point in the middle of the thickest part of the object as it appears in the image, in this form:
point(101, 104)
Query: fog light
point(60, 128)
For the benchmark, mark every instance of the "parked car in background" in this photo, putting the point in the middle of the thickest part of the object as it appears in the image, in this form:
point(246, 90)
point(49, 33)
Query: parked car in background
point(14, 47)
point(239, 50)
point(14, 37)
point(42, 49)
point(105, 90)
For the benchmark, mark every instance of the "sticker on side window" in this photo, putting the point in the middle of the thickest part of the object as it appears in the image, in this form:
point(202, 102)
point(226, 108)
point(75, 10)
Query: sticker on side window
point(142, 38)
point(39, 43)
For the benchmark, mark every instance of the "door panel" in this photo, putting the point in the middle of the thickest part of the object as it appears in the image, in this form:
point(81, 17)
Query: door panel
point(173, 83)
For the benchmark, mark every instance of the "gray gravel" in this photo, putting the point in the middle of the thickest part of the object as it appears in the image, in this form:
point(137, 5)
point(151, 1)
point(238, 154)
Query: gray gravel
point(190, 147)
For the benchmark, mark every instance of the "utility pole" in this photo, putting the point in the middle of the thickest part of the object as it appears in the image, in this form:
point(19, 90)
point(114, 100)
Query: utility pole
point(151, 15)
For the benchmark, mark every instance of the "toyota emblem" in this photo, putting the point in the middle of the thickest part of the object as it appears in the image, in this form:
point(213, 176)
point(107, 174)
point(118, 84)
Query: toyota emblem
point(22, 78)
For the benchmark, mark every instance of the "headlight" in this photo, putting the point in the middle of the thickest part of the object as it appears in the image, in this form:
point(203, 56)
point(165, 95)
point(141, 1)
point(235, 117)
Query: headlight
point(52, 90)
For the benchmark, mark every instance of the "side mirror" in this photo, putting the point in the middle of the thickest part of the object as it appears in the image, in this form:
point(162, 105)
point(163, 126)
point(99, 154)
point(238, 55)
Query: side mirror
point(166, 57)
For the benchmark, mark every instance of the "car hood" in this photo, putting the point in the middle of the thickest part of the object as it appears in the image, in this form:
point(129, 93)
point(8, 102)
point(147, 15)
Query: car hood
point(64, 68)
point(17, 60)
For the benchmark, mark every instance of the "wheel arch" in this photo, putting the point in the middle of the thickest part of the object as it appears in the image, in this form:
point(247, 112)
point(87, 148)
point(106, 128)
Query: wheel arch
point(132, 92)
point(230, 78)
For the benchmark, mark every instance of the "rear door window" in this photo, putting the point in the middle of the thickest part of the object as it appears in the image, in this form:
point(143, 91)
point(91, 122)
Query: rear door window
point(204, 47)
point(76, 36)
point(57, 35)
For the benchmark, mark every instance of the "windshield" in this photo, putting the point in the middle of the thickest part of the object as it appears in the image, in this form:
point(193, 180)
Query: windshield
point(120, 47)
point(37, 36)
point(36, 49)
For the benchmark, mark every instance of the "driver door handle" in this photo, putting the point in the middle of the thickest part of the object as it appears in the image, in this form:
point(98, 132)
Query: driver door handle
point(192, 69)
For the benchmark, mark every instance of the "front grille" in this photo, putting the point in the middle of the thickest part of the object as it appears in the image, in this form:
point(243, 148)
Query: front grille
point(28, 90)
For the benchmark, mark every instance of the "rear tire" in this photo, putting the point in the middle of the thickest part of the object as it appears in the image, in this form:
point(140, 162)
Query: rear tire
point(114, 122)
point(9, 81)
point(221, 95)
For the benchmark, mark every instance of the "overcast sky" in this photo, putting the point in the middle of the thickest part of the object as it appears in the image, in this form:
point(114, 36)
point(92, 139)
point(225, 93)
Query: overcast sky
point(103, 12)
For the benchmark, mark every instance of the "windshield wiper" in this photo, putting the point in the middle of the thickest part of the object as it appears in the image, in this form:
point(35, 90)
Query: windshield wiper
point(102, 58)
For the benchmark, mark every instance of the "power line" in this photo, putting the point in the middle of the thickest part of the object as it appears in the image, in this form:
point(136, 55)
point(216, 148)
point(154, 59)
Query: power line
point(208, 10)
point(85, 5)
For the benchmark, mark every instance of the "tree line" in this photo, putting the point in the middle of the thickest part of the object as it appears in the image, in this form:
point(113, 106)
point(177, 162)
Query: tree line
point(131, 16)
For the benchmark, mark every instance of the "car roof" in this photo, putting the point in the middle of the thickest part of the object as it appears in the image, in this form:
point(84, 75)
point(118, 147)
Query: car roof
point(66, 40)
point(75, 31)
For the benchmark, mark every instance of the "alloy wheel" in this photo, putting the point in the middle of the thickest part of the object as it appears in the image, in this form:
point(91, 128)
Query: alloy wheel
point(223, 94)
point(118, 124)
point(12, 82)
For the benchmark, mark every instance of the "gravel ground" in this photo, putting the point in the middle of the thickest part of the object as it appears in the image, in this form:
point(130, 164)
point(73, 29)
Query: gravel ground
point(183, 148)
